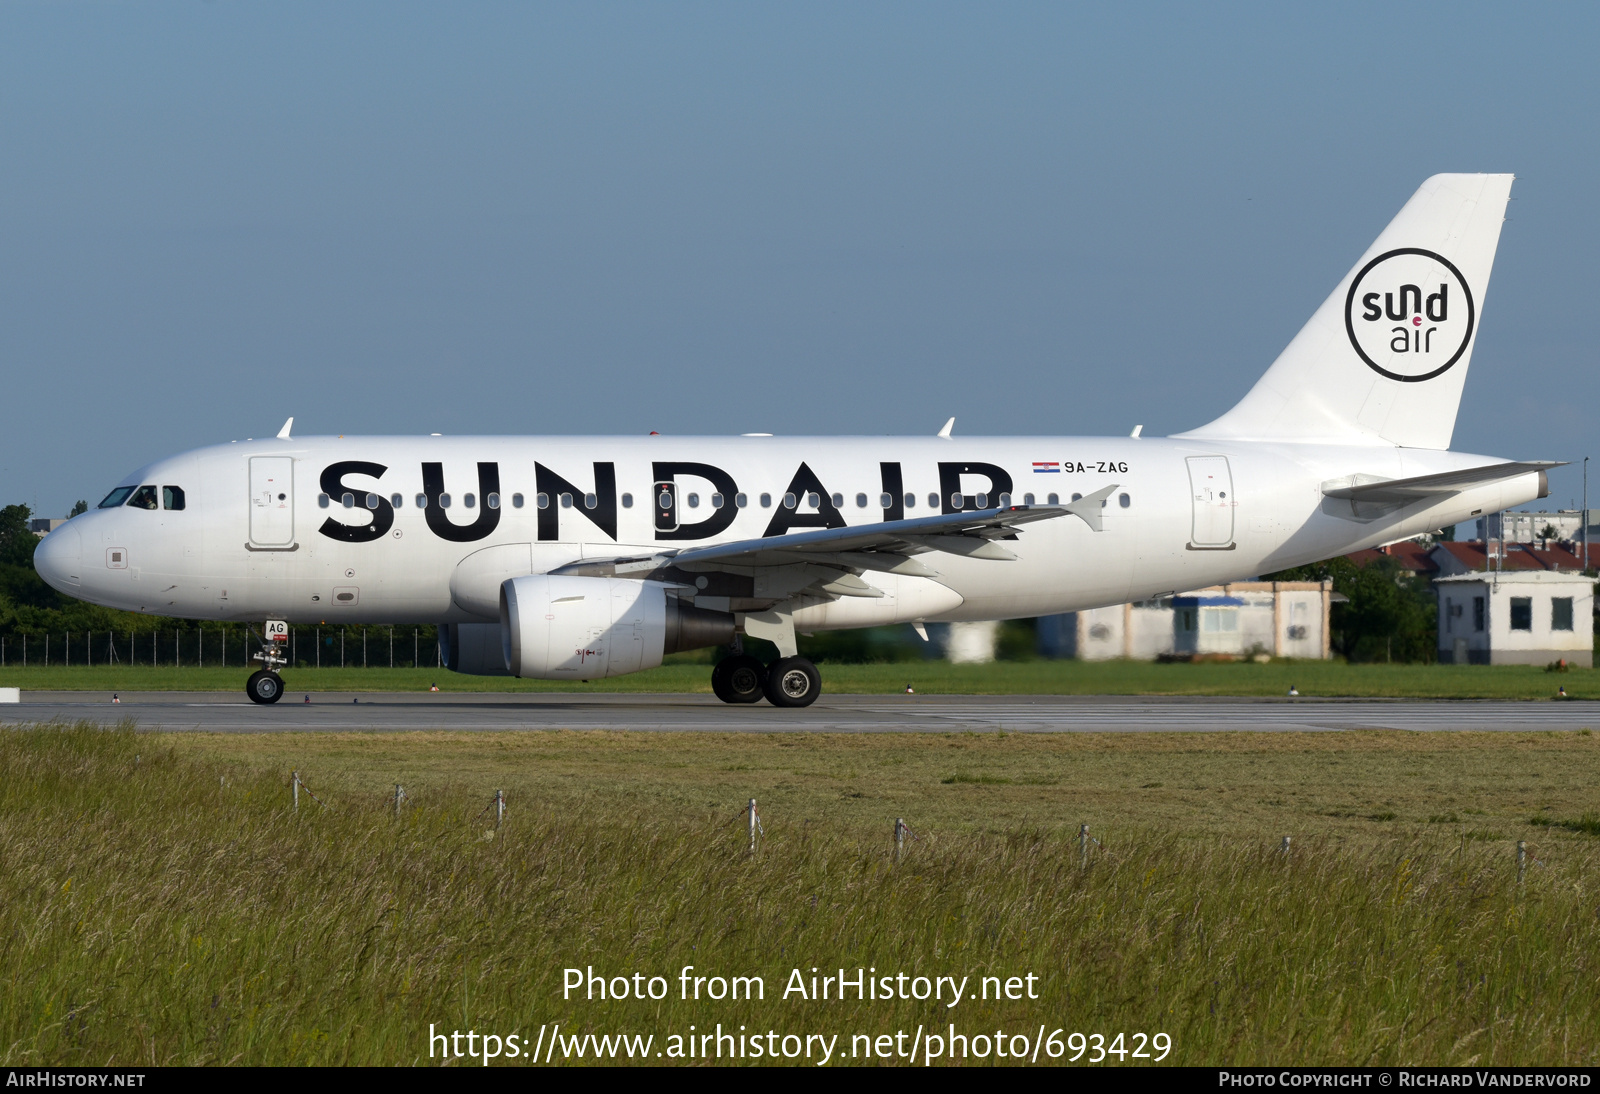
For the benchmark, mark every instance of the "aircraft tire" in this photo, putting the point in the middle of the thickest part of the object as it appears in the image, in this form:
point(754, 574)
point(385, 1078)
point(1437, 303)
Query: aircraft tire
point(793, 682)
point(739, 679)
point(264, 687)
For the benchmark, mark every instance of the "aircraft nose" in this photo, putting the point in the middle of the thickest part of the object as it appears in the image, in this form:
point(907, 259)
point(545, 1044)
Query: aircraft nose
point(59, 559)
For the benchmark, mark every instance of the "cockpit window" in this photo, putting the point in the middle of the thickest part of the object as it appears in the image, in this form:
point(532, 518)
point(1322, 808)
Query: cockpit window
point(144, 498)
point(172, 497)
point(116, 497)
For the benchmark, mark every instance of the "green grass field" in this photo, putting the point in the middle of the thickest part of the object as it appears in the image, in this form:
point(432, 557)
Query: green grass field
point(160, 902)
point(1326, 678)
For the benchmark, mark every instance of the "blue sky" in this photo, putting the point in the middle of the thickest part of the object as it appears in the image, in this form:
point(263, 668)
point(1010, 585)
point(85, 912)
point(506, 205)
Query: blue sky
point(724, 218)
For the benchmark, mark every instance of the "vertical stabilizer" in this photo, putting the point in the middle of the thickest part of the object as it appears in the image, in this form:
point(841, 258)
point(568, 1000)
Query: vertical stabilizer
point(1384, 358)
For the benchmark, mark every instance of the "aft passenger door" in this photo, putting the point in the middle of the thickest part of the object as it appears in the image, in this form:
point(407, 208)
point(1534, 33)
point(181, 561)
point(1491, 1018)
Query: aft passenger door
point(272, 501)
point(1212, 503)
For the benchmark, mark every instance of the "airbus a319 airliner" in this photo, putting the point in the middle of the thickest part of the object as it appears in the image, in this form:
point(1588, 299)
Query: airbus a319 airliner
point(575, 559)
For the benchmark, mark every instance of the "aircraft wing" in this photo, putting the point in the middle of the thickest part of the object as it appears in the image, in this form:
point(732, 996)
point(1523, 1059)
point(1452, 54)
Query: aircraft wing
point(1402, 491)
point(972, 534)
point(829, 557)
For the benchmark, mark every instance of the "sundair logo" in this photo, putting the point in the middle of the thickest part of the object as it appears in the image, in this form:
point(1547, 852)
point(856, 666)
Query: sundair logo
point(1409, 314)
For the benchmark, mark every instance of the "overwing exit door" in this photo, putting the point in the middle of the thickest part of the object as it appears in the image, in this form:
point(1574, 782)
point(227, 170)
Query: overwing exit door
point(1212, 502)
point(272, 501)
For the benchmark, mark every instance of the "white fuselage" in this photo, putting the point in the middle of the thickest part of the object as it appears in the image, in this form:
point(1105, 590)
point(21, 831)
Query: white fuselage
point(239, 551)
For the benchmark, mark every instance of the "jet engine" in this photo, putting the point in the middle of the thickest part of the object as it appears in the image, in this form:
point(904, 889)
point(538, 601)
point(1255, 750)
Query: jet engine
point(555, 627)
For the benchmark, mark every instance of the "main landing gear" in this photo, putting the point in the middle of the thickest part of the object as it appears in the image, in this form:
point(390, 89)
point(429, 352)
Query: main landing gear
point(265, 685)
point(787, 682)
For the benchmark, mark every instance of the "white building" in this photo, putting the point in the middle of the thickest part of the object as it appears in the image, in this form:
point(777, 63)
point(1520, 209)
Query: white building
point(971, 643)
point(1281, 618)
point(1516, 617)
point(1526, 526)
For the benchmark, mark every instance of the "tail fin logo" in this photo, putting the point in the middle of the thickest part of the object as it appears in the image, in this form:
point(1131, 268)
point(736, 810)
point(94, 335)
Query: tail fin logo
point(1409, 314)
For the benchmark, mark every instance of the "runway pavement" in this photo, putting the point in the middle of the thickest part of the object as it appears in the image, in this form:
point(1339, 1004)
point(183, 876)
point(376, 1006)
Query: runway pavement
point(392, 712)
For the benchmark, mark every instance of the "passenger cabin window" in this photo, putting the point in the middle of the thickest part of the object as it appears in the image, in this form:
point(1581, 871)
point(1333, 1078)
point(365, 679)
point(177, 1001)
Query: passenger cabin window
point(422, 501)
point(144, 498)
point(1027, 499)
point(322, 501)
point(590, 501)
point(861, 501)
point(1005, 501)
point(911, 501)
point(492, 501)
point(1522, 613)
point(172, 497)
point(766, 501)
point(116, 497)
point(348, 501)
point(372, 501)
point(741, 500)
point(838, 501)
point(516, 501)
point(469, 501)
point(814, 499)
point(716, 501)
point(397, 500)
point(542, 501)
point(981, 499)
point(444, 501)
point(566, 501)
point(1054, 499)
point(789, 501)
point(885, 500)
point(933, 501)
point(694, 501)
point(1124, 501)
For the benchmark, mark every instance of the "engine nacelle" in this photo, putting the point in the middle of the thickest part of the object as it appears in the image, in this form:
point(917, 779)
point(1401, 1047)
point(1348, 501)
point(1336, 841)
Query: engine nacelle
point(472, 648)
point(555, 627)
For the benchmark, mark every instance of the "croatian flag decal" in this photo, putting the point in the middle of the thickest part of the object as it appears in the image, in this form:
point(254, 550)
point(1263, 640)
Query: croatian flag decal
point(1051, 468)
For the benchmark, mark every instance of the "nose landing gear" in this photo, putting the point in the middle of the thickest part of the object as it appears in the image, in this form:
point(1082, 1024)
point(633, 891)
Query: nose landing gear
point(265, 685)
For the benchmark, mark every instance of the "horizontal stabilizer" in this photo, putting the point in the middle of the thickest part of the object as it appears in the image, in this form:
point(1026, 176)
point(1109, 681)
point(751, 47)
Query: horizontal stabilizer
point(1402, 491)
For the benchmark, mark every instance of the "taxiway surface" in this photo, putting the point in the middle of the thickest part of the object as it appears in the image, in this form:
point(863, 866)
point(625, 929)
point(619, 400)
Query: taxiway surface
point(395, 712)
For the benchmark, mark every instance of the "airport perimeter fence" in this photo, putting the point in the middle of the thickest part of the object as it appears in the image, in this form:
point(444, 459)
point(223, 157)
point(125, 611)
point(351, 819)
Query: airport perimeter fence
point(224, 645)
point(1088, 847)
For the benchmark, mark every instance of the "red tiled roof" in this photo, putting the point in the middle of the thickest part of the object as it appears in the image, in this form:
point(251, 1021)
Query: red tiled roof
point(1410, 554)
point(1518, 556)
